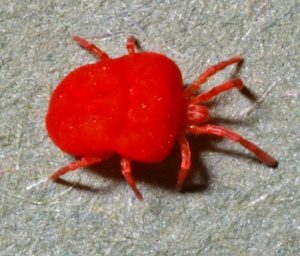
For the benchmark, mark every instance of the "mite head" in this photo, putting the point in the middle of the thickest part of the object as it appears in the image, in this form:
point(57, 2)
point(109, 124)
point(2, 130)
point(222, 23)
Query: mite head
point(196, 114)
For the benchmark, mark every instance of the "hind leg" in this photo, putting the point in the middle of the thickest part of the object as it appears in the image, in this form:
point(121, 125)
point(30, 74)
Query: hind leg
point(83, 162)
point(91, 47)
point(131, 44)
point(126, 171)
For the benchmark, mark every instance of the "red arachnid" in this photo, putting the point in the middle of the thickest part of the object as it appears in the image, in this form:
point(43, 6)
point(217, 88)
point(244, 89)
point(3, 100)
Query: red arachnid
point(134, 106)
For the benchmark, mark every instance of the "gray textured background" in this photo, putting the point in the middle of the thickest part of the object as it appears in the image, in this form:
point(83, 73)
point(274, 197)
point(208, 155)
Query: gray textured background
point(239, 206)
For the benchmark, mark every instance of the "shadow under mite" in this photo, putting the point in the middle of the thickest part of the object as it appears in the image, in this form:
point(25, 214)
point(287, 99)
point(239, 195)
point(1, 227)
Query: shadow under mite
point(163, 174)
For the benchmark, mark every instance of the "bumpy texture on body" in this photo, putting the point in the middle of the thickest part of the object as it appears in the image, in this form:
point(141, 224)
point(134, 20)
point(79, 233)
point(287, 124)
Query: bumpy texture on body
point(130, 105)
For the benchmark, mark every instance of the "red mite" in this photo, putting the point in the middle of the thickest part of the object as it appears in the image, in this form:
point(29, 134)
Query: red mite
point(134, 106)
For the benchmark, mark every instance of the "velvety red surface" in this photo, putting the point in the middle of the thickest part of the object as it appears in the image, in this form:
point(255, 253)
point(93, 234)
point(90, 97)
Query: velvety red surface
point(130, 105)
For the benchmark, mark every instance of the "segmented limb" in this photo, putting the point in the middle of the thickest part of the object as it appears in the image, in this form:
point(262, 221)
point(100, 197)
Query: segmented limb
point(210, 72)
point(130, 44)
point(233, 83)
point(83, 162)
point(90, 47)
point(185, 161)
point(126, 171)
point(222, 132)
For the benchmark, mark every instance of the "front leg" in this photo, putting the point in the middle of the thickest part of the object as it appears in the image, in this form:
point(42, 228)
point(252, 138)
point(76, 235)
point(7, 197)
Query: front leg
point(228, 85)
point(223, 132)
point(210, 72)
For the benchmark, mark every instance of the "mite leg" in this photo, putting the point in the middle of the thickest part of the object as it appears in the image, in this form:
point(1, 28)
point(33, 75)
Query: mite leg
point(83, 162)
point(233, 83)
point(185, 161)
point(210, 72)
point(221, 131)
point(131, 44)
point(90, 47)
point(126, 171)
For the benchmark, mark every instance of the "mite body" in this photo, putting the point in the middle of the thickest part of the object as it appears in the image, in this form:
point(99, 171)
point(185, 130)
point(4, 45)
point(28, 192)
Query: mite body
point(134, 106)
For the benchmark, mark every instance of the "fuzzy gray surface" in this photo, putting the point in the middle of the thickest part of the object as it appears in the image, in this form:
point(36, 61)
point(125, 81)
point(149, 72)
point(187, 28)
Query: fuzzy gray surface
point(240, 207)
